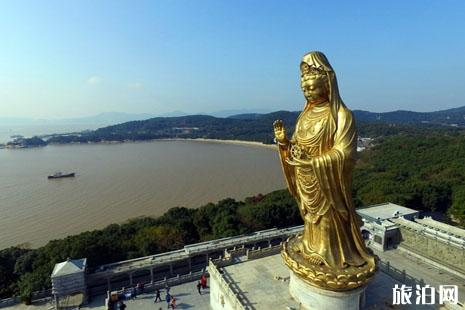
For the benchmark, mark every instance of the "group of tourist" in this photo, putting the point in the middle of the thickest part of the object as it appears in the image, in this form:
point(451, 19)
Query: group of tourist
point(132, 293)
point(125, 294)
point(170, 299)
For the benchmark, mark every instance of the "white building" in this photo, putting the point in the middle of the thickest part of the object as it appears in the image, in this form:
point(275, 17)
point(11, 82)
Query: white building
point(382, 233)
point(69, 283)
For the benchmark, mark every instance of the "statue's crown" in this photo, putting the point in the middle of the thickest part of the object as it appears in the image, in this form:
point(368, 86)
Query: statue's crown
point(305, 68)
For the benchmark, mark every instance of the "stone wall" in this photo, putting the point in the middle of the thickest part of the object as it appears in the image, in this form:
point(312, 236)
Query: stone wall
point(222, 295)
point(433, 248)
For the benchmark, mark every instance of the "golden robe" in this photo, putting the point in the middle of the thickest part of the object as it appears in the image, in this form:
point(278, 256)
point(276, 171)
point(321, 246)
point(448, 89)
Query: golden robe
point(322, 188)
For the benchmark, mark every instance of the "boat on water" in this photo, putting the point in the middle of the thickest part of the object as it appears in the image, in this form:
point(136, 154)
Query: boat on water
point(59, 175)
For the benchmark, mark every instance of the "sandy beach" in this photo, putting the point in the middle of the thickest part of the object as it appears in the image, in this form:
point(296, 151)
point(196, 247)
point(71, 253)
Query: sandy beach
point(239, 142)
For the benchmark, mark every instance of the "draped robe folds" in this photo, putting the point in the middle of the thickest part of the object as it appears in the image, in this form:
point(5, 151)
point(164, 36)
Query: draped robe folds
point(322, 186)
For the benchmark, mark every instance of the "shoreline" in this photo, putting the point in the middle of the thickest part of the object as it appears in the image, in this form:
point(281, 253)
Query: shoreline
point(236, 142)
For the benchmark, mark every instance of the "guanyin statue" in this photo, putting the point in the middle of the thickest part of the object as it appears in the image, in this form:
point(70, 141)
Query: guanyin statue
point(317, 163)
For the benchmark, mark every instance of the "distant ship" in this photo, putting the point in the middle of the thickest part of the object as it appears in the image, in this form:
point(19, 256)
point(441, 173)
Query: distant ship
point(59, 175)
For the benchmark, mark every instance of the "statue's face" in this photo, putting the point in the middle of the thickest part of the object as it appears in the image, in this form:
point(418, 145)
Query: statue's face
point(314, 83)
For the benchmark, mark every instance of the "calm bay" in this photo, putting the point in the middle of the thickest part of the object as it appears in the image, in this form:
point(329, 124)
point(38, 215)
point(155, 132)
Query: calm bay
point(116, 182)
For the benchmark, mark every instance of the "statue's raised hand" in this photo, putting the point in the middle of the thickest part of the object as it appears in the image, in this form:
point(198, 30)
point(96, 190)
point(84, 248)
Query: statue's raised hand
point(280, 132)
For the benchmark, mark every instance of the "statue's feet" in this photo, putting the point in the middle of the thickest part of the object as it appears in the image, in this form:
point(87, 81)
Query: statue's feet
point(298, 247)
point(315, 259)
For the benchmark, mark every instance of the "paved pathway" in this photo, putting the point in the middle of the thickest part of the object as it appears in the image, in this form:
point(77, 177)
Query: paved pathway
point(186, 295)
point(420, 269)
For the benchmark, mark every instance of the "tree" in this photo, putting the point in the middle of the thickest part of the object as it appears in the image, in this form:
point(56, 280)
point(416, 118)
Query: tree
point(457, 211)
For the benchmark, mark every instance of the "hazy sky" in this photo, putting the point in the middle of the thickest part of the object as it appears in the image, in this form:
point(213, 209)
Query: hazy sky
point(78, 58)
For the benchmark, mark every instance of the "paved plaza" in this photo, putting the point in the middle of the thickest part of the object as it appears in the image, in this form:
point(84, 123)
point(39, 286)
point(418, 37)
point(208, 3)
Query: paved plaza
point(186, 295)
point(264, 284)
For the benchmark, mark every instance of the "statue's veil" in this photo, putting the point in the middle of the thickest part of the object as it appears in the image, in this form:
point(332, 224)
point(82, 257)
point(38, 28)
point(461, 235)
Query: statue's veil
point(319, 60)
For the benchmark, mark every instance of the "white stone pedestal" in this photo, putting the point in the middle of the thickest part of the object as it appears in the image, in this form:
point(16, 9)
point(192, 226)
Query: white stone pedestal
point(313, 298)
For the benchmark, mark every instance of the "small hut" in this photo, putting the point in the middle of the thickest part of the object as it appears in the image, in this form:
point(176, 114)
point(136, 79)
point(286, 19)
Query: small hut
point(69, 283)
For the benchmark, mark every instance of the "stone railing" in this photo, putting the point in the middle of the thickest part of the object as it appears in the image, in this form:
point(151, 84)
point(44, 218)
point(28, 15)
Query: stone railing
point(233, 297)
point(432, 232)
point(36, 296)
point(263, 252)
point(225, 287)
point(196, 249)
point(399, 275)
point(9, 302)
point(403, 277)
point(173, 281)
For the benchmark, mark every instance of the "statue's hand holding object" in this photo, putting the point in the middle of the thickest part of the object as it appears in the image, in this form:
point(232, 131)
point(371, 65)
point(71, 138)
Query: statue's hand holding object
point(280, 132)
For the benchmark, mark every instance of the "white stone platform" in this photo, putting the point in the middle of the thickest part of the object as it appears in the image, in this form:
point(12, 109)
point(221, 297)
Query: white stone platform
point(313, 298)
point(264, 284)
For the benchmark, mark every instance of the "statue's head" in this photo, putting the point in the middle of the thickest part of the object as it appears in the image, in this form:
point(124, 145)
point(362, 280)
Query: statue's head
point(318, 81)
point(314, 82)
point(314, 76)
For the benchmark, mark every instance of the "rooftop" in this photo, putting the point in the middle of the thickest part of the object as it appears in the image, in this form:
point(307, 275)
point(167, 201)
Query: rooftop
point(69, 267)
point(385, 211)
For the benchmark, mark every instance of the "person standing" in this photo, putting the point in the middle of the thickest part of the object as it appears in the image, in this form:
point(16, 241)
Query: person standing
point(157, 296)
point(133, 293)
point(203, 281)
point(168, 299)
point(173, 303)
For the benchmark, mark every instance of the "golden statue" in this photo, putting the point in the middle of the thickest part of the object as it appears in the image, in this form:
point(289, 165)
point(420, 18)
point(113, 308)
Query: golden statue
point(317, 163)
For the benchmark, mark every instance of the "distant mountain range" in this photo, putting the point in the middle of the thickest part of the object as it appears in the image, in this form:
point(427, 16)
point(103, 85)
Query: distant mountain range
point(454, 117)
point(258, 127)
point(250, 126)
point(107, 118)
point(450, 117)
point(112, 118)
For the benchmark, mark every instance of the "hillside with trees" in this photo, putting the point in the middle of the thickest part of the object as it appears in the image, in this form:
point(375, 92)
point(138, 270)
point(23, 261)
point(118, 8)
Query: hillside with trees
point(248, 127)
point(420, 171)
point(449, 117)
